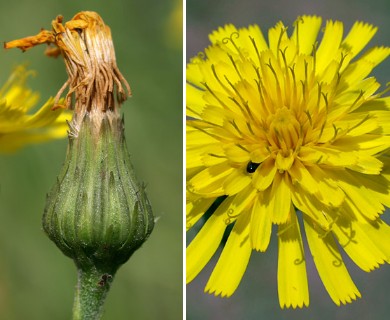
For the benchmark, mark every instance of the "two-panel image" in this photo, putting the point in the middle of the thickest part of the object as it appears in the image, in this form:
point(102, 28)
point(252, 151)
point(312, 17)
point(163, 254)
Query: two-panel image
point(199, 160)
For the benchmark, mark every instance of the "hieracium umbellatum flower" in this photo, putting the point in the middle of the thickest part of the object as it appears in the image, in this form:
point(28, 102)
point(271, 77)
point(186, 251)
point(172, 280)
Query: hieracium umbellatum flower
point(97, 213)
point(289, 133)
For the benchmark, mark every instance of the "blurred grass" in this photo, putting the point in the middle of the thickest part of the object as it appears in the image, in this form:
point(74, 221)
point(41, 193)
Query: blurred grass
point(257, 296)
point(36, 280)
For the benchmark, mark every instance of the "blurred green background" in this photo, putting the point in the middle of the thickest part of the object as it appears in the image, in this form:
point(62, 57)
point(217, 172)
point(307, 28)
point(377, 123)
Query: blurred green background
point(256, 297)
point(36, 280)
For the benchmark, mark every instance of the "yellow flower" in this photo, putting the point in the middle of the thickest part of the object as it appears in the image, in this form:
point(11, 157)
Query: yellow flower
point(174, 25)
point(288, 133)
point(17, 126)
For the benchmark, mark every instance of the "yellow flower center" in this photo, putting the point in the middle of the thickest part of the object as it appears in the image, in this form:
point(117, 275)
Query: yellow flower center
point(284, 137)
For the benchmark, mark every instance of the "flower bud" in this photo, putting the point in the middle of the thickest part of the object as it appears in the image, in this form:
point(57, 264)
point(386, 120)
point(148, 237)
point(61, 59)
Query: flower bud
point(97, 213)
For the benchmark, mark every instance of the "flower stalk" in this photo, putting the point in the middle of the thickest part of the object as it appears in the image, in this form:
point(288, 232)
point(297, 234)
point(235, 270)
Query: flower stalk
point(89, 298)
point(97, 213)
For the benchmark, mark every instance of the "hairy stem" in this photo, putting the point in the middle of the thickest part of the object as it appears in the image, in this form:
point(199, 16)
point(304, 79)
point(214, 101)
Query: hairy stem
point(91, 291)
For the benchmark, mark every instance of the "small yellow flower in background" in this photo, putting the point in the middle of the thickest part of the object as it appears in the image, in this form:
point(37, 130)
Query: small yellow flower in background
point(174, 25)
point(289, 133)
point(18, 126)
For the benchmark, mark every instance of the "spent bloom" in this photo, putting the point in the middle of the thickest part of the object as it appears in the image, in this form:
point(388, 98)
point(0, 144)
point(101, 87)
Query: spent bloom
point(97, 212)
point(18, 125)
point(290, 132)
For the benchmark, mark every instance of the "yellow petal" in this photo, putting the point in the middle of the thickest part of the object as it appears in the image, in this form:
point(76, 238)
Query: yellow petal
point(222, 33)
point(13, 117)
point(379, 233)
point(378, 187)
point(196, 209)
point(194, 101)
point(276, 35)
point(280, 199)
point(307, 29)
point(382, 118)
point(292, 278)
point(367, 164)
point(212, 155)
point(284, 163)
point(242, 201)
point(360, 196)
point(330, 44)
point(299, 174)
point(375, 55)
point(357, 123)
point(264, 175)
point(206, 242)
point(194, 75)
point(212, 115)
point(361, 68)
point(358, 37)
point(13, 141)
point(236, 154)
point(253, 39)
point(259, 154)
point(210, 180)
point(233, 261)
point(310, 205)
point(357, 243)
point(197, 138)
point(330, 265)
point(260, 226)
point(369, 143)
point(329, 192)
point(194, 157)
point(236, 182)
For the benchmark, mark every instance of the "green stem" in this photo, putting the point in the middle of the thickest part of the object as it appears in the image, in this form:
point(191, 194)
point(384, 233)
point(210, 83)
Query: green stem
point(91, 291)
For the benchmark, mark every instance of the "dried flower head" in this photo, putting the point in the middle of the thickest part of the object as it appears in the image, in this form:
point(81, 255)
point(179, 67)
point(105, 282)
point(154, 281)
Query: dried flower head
point(94, 79)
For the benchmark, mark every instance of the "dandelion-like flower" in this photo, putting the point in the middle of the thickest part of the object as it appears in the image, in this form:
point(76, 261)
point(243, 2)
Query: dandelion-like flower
point(289, 133)
point(18, 126)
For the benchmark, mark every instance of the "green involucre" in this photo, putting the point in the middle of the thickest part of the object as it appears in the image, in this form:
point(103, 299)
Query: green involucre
point(97, 213)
